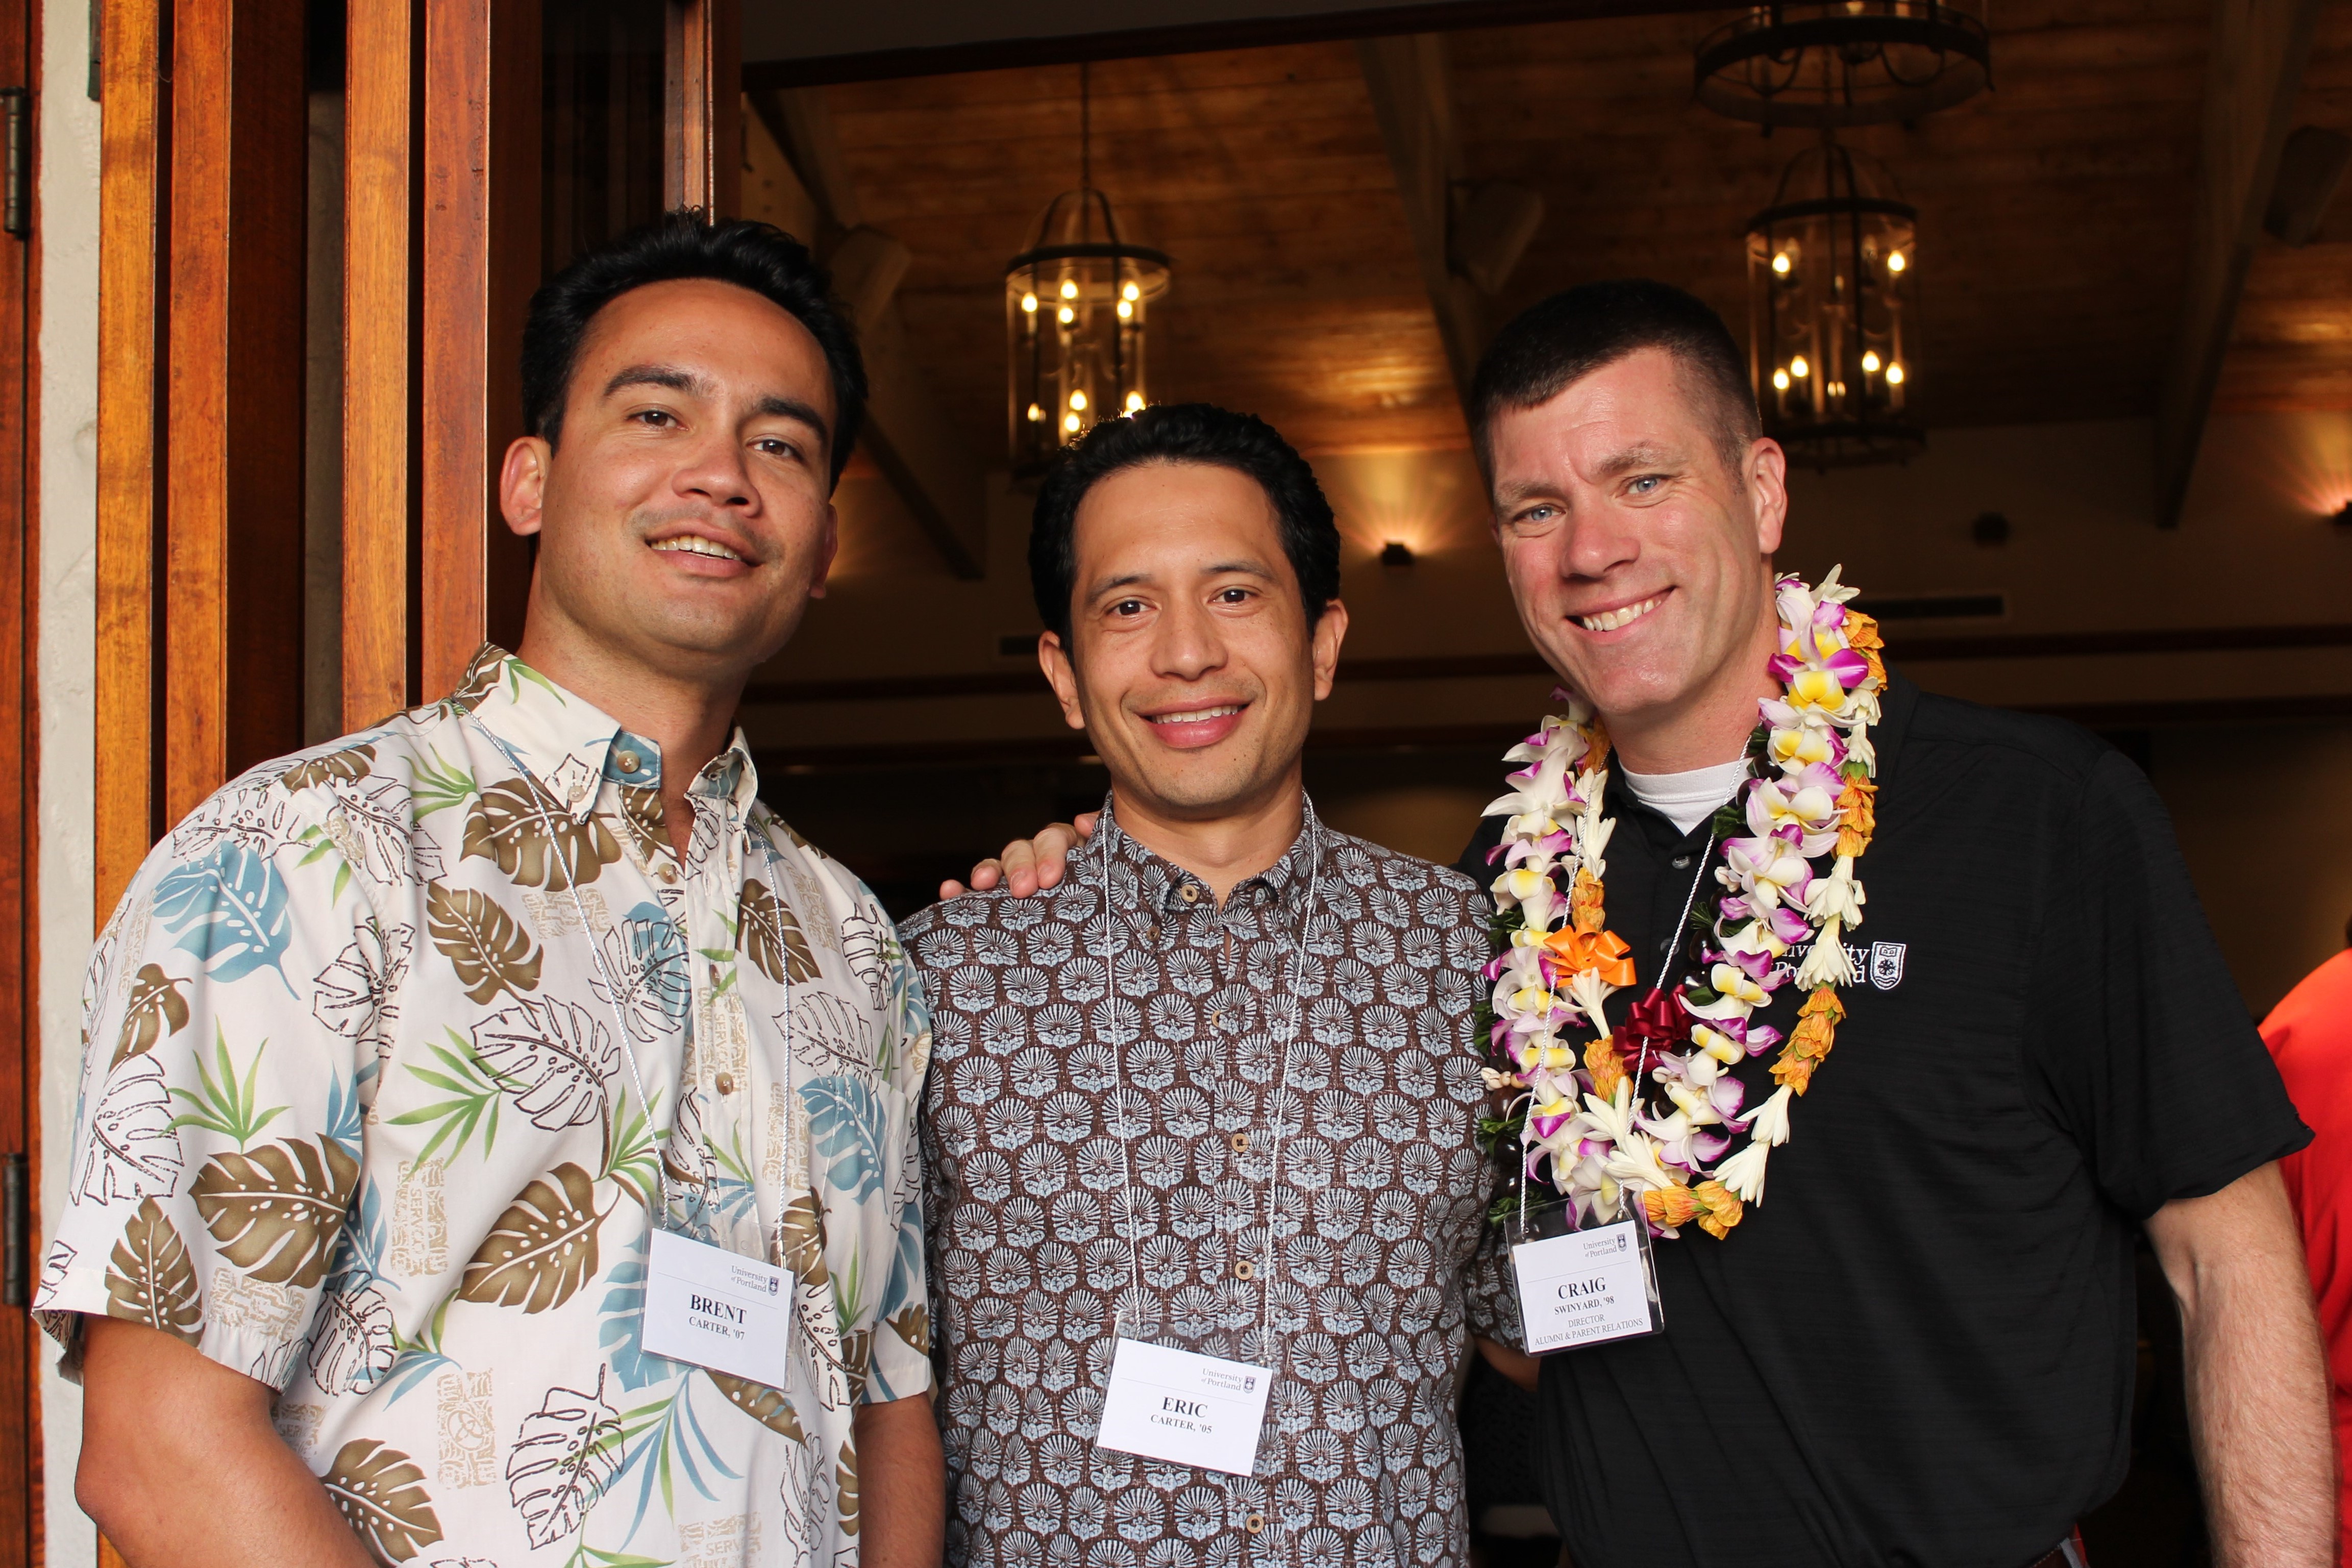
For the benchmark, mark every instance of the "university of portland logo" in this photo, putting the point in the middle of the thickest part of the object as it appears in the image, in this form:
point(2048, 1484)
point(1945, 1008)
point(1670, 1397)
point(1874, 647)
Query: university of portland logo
point(1886, 965)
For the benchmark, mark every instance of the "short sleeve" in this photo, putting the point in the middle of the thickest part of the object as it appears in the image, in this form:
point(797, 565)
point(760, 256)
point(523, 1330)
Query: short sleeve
point(226, 1013)
point(901, 1363)
point(2138, 1045)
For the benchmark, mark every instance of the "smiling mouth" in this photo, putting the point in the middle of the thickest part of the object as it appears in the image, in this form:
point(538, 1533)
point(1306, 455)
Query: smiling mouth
point(695, 544)
point(1610, 620)
point(1197, 716)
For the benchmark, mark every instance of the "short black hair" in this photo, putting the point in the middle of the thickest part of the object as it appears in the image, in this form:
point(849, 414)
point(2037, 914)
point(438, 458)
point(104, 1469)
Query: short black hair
point(687, 244)
point(1566, 338)
point(1182, 432)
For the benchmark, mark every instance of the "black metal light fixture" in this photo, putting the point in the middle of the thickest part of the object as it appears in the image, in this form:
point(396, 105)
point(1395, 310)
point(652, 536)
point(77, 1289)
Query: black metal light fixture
point(1830, 63)
point(1832, 290)
point(1076, 302)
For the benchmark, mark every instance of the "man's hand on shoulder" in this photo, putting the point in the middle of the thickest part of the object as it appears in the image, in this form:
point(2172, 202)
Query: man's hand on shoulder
point(1024, 866)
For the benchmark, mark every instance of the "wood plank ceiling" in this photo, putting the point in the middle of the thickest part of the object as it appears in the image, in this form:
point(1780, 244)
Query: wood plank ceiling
point(2053, 213)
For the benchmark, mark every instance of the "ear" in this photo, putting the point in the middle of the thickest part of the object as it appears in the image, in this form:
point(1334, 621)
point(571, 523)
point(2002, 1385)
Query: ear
point(522, 484)
point(828, 546)
point(1330, 632)
point(1768, 491)
point(1063, 677)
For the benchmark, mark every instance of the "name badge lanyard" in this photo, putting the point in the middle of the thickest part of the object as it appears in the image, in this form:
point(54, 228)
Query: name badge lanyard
point(1217, 1374)
point(1595, 1284)
point(690, 1259)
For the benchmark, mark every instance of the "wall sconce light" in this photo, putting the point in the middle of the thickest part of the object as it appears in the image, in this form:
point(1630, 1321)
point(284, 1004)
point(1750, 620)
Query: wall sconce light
point(1396, 552)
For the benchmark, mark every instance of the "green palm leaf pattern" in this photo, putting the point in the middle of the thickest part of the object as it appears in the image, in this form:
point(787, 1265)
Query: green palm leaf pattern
point(490, 950)
point(382, 1493)
point(543, 1248)
point(276, 1211)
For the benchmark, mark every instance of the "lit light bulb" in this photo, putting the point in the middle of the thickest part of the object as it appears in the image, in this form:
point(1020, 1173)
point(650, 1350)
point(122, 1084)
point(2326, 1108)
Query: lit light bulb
point(1068, 315)
point(1070, 423)
point(1895, 262)
point(1780, 381)
point(1780, 264)
point(1870, 361)
point(1029, 303)
point(1069, 289)
point(1894, 375)
point(1130, 292)
point(1125, 309)
point(1798, 369)
point(1036, 414)
point(1135, 403)
point(1079, 400)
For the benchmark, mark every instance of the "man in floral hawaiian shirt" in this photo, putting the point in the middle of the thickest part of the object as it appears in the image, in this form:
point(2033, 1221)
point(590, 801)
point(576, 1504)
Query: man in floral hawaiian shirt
point(1286, 1011)
point(397, 1047)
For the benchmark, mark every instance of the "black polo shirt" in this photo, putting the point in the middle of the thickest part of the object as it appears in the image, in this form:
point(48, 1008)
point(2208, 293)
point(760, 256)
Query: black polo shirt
point(1917, 1351)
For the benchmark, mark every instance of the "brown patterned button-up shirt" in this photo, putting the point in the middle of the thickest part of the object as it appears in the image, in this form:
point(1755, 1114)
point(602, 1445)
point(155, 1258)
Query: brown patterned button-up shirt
point(1038, 1241)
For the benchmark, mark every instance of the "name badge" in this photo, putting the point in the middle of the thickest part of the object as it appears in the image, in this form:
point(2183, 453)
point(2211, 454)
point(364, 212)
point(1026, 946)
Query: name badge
point(718, 1309)
point(1587, 1287)
point(1184, 1407)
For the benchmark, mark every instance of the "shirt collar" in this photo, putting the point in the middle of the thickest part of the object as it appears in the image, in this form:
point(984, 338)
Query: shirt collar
point(1167, 889)
point(568, 744)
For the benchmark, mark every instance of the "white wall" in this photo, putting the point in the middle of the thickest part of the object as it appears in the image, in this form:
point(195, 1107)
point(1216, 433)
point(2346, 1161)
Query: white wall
point(66, 222)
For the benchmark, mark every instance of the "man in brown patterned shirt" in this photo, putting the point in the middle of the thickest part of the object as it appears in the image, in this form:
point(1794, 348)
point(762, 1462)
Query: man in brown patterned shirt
point(1218, 1091)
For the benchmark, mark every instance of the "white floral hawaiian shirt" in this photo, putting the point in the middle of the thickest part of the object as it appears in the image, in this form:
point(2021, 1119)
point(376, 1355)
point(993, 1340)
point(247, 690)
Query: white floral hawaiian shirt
point(360, 1120)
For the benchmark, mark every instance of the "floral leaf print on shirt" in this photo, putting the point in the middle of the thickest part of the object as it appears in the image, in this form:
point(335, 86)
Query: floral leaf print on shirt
point(566, 1455)
point(355, 995)
point(382, 1494)
point(133, 1150)
point(543, 1248)
point(156, 1010)
point(482, 942)
point(553, 1057)
point(228, 910)
point(534, 840)
point(847, 1123)
point(642, 820)
point(276, 1211)
point(645, 961)
point(771, 936)
point(762, 1404)
point(150, 1279)
point(353, 762)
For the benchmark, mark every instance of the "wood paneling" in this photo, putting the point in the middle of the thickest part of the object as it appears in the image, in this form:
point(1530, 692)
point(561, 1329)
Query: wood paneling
point(130, 230)
point(480, 261)
point(233, 658)
point(378, 262)
point(702, 101)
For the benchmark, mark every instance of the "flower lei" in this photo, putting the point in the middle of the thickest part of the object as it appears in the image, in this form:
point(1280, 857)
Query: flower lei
point(1810, 793)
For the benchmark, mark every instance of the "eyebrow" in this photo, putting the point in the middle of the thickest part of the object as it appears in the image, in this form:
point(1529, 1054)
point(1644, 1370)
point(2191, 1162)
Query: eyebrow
point(1642, 455)
point(677, 381)
point(1128, 580)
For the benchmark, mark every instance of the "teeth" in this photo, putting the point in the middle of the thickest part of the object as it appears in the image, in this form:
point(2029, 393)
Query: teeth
point(692, 544)
point(1198, 717)
point(1616, 618)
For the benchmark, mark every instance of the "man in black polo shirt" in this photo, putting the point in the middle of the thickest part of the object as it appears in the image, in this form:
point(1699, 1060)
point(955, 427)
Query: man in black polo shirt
point(1917, 1350)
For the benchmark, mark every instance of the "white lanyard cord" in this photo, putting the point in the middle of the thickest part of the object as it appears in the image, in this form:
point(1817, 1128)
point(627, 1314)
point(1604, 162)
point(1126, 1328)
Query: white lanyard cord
point(1108, 834)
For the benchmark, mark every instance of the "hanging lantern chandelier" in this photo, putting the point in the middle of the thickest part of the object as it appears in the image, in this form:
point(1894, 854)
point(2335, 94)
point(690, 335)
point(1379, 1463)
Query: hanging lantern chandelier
point(1827, 63)
point(1832, 293)
point(1076, 302)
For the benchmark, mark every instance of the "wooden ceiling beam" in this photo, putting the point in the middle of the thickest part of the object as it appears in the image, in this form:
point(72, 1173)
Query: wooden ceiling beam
point(2253, 75)
point(794, 167)
point(1415, 104)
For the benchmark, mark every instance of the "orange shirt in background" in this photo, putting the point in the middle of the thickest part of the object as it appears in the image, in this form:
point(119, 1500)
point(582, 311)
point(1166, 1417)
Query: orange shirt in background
point(2310, 1037)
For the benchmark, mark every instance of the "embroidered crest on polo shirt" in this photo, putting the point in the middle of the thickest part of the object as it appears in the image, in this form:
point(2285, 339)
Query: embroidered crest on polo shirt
point(1886, 965)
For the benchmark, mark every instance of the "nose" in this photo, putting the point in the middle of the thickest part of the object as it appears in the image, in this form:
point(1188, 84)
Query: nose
point(1190, 645)
point(1594, 541)
point(714, 472)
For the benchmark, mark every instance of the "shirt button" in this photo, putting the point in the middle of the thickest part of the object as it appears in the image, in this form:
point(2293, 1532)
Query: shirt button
point(1217, 1021)
point(1680, 862)
point(725, 1082)
point(1152, 934)
point(1240, 1141)
point(1189, 893)
point(628, 761)
point(669, 876)
point(1245, 1269)
point(1254, 1523)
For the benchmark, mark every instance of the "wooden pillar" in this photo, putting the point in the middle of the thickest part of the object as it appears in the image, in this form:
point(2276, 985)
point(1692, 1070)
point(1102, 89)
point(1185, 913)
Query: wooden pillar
point(480, 263)
point(702, 123)
point(232, 557)
point(378, 276)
